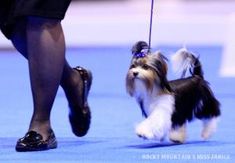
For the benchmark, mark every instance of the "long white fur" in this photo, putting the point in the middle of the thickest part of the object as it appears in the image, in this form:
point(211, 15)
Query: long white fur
point(140, 88)
point(158, 108)
point(181, 60)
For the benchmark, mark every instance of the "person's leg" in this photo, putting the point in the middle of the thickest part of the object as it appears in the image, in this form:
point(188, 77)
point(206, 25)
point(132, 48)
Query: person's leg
point(71, 80)
point(46, 57)
point(19, 37)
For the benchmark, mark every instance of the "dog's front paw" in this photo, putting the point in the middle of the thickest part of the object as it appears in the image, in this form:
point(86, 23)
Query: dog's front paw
point(148, 131)
point(144, 131)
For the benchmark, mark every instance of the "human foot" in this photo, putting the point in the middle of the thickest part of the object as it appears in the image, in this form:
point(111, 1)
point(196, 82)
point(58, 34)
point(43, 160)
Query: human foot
point(80, 114)
point(33, 141)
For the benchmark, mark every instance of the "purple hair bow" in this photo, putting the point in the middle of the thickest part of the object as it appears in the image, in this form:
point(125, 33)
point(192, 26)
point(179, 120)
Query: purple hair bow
point(142, 54)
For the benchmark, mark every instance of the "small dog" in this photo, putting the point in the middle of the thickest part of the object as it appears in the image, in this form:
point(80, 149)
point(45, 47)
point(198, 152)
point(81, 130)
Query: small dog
point(169, 105)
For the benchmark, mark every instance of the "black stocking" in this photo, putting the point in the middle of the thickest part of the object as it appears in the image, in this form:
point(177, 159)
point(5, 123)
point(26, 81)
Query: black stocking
point(46, 53)
point(41, 41)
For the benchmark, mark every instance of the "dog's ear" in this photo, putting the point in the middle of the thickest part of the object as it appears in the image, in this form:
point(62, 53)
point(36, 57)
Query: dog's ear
point(161, 64)
point(163, 61)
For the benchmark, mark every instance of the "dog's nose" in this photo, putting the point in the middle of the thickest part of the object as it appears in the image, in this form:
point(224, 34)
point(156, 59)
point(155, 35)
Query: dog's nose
point(135, 74)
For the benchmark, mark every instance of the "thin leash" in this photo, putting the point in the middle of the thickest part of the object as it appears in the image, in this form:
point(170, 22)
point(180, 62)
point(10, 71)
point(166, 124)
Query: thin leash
point(151, 24)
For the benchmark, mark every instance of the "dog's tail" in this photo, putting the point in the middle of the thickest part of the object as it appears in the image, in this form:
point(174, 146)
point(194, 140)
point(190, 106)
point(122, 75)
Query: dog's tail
point(184, 60)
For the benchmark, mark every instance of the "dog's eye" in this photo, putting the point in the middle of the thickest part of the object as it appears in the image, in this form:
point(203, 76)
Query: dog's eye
point(132, 66)
point(145, 67)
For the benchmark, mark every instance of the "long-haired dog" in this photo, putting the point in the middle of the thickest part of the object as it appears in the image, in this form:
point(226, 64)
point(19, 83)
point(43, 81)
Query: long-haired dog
point(168, 105)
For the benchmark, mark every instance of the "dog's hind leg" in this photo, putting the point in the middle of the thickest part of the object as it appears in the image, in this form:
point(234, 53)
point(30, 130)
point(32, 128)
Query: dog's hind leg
point(178, 134)
point(209, 127)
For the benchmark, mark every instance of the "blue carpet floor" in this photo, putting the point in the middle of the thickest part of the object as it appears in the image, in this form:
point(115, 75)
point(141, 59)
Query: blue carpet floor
point(111, 137)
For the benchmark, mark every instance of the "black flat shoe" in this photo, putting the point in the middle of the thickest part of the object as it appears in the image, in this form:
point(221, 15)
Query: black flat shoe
point(80, 116)
point(33, 141)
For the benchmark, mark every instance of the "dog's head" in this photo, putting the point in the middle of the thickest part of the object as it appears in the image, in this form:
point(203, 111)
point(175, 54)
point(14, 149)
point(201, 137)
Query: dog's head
point(149, 68)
